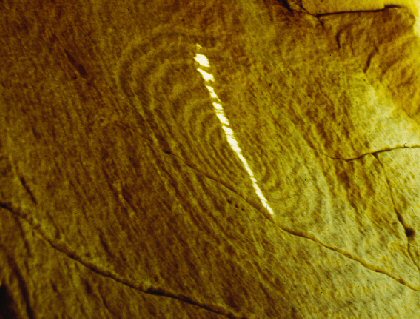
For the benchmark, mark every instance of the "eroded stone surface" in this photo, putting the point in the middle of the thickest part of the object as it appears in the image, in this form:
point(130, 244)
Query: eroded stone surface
point(122, 190)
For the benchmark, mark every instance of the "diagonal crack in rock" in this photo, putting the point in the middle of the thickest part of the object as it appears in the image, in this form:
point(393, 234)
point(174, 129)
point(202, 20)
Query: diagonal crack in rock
point(218, 181)
point(375, 154)
point(63, 248)
point(102, 271)
point(399, 216)
point(352, 257)
point(384, 150)
point(301, 234)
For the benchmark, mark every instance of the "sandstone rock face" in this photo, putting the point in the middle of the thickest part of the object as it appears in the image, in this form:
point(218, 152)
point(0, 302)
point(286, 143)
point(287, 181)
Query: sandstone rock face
point(335, 6)
point(209, 159)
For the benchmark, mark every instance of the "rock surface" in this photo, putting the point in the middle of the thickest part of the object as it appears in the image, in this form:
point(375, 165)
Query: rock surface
point(209, 159)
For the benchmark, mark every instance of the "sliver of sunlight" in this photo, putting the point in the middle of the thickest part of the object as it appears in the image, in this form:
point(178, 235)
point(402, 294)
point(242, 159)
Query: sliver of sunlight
point(204, 70)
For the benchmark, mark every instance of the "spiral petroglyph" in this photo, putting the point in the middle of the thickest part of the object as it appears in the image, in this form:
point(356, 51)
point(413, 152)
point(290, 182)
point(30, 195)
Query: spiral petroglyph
point(209, 159)
point(160, 79)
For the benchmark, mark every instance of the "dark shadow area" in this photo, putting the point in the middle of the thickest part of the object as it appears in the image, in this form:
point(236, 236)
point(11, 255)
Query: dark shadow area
point(7, 306)
point(410, 233)
point(285, 4)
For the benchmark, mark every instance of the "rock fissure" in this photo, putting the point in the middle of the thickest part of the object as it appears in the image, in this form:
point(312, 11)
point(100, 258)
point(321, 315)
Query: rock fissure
point(146, 168)
point(63, 248)
point(302, 234)
point(369, 59)
point(28, 189)
point(25, 294)
point(350, 256)
point(384, 150)
point(67, 251)
point(387, 7)
point(400, 218)
point(408, 230)
point(300, 6)
point(218, 181)
point(8, 305)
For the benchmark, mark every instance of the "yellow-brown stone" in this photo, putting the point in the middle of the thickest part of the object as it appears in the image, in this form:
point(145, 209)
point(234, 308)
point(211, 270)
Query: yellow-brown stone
point(209, 159)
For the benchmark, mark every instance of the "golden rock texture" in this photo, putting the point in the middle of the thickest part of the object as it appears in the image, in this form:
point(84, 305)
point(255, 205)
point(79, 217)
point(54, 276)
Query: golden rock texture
point(209, 159)
point(335, 6)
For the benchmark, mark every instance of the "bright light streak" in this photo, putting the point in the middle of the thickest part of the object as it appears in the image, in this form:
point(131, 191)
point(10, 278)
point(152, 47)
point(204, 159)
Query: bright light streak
point(212, 92)
point(207, 76)
point(203, 61)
